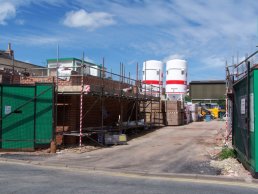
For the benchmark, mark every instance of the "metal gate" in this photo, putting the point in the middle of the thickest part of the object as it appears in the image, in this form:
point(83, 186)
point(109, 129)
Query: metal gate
point(26, 116)
point(240, 118)
point(245, 139)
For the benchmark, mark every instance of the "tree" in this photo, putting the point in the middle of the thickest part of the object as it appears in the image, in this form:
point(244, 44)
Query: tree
point(222, 102)
point(188, 98)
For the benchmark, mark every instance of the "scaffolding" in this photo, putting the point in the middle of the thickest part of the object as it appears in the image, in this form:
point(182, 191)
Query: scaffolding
point(234, 74)
point(127, 94)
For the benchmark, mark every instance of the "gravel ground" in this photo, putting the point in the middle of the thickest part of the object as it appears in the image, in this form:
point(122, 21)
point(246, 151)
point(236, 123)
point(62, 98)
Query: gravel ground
point(179, 149)
point(78, 150)
point(231, 167)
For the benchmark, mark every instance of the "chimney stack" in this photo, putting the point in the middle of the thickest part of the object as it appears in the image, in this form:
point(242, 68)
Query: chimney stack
point(9, 50)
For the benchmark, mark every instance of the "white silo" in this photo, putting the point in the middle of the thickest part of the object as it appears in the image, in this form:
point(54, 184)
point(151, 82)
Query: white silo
point(176, 79)
point(152, 77)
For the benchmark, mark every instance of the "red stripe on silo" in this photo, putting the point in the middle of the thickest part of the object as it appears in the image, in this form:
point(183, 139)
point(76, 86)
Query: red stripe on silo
point(151, 82)
point(180, 82)
point(175, 92)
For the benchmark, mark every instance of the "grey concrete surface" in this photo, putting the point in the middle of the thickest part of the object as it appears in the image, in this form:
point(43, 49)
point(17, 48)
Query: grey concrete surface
point(182, 149)
point(172, 150)
point(17, 178)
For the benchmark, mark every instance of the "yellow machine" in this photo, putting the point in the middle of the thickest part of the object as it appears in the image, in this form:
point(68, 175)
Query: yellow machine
point(204, 111)
point(216, 112)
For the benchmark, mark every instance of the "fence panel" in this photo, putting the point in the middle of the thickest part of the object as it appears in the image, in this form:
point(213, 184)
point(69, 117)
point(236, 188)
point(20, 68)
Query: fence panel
point(17, 117)
point(26, 116)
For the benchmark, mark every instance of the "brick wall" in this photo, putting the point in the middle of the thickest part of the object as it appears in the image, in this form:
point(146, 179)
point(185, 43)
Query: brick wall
point(96, 83)
point(69, 111)
point(68, 118)
point(7, 77)
point(174, 113)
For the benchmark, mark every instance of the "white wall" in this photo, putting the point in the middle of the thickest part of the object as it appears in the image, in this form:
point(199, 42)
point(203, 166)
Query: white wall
point(68, 66)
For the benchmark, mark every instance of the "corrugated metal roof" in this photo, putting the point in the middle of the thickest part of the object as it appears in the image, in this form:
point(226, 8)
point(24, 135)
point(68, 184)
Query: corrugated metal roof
point(208, 82)
point(208, 90)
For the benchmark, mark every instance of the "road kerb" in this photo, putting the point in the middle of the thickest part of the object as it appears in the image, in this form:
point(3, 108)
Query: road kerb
point(193, 178)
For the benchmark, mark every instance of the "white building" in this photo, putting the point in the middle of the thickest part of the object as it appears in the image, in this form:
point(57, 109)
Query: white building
point(67, 65)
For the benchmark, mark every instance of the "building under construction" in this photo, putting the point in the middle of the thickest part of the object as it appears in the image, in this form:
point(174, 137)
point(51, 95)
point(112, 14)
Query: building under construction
point(72, 101)
point(73, 108)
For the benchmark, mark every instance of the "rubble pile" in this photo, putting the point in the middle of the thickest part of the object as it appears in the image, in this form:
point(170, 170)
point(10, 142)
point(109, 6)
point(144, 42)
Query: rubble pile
point(231, 167)
point(77, 149)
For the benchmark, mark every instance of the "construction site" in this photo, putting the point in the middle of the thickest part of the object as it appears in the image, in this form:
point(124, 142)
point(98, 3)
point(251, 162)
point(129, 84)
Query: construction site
point(132, 96)
point(75, 103)
point(81, 103)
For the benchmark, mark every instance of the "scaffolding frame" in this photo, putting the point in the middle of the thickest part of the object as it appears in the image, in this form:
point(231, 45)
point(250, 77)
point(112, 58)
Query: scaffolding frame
point(124, 89)
point(234, 74)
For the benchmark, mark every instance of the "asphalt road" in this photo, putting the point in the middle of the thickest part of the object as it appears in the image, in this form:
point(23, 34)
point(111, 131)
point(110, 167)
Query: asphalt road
point(28, 178)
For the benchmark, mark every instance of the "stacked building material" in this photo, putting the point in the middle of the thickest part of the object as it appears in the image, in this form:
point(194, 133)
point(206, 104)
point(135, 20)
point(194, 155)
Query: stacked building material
point(191, 112)
point(194, 112)
point(174, 113)
point(158, 113)
point(154, 112)
point(188, 113)
point(115, 139)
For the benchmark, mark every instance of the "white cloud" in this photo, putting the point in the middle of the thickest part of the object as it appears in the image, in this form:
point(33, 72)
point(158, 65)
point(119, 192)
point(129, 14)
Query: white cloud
point(173, 56)
point(19, 3)
point(213, 62)
point(90, 21)
point(207, 67)
point(7, 11)
point(8, 8)
point(142, 12)
point(150, 14)
point(132, 62)
point(37, 40)
point(88, 59)
point(20, 22)
point(206, 32)
point(42, 40)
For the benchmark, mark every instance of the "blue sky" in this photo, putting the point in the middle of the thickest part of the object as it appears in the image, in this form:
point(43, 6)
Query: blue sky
point(204, 32)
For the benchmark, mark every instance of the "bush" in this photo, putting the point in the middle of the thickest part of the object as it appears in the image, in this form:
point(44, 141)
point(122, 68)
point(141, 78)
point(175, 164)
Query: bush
point(227, 153)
